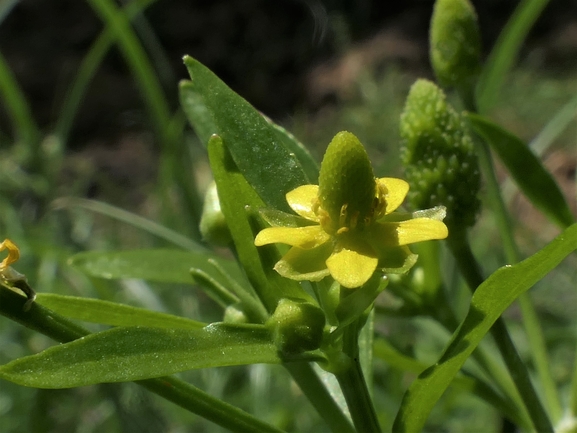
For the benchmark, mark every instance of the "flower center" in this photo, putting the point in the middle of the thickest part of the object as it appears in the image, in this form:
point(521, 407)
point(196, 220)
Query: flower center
point(348, 219)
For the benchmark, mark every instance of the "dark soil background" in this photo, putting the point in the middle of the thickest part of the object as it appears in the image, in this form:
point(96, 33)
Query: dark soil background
point(279, 55)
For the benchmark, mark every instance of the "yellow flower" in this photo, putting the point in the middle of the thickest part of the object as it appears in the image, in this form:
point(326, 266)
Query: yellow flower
point(348, 227)
point(13, 255)
point(10, 276)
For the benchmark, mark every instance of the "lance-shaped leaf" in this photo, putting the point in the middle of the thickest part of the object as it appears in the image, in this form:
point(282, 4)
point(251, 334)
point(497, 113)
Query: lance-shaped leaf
point(160, 265)
point(112, 313)
point(135, 353)
point(489, 301)
point(526, 169)
point(266, 157)
point(240, 204)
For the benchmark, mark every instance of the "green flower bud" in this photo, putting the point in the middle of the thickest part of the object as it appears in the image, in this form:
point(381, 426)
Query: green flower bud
point(235, 314)
point(213, 227)
point(455, 44)
point(297, 326)
point(437, 152)
point(347, 185)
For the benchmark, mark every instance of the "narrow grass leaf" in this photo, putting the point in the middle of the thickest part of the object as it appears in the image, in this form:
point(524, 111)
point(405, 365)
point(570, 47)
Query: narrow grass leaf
point(384, 351)
point(136, 353)
point(160, 265)
point(553, 129)
point(504, 53)
point(17, 108)
point(489, 301)
point(112, 313)
point(130, 218)
point(90, 64)
point(118, 22)
point(526, 169)
point(259, 150)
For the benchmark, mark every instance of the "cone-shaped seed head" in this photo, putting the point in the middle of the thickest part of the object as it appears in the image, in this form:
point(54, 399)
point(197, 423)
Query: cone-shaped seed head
point(455, 43)
point(346, 182)
point(437, 152)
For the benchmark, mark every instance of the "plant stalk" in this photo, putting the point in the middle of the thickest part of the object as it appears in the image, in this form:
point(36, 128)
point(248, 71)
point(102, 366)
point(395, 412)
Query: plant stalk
point(354, 386)
point(471, 271)
point(59, 328)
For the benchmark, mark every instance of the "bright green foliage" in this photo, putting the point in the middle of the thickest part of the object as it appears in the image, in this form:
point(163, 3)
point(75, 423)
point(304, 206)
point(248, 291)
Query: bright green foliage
point(539, 186)
point(455, 43)
point(490, 300)
point(343, 234)
point(133, 353)
point(112, 313)
point(437, 152)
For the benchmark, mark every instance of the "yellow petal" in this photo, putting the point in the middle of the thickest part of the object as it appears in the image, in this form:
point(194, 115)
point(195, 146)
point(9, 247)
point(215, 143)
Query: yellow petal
point(351, 268)
point(420, 229)
point(302, 237)
point(299, 264)
point(301, 200)
point(397, 190)
point(13, 253)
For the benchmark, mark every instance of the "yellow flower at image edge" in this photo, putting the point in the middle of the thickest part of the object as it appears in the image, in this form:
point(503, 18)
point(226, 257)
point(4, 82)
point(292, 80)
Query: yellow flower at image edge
point(353, 228)
point(13, 256)
point(10, 276)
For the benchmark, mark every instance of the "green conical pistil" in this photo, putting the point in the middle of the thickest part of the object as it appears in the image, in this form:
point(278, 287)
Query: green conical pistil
point(347, 185)
point(437, 152)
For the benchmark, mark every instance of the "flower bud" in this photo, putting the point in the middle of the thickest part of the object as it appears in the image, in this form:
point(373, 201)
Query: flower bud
point(437, 152)
point(235, 314)
point(297, 326)
point(455, 44)
point(213, 227)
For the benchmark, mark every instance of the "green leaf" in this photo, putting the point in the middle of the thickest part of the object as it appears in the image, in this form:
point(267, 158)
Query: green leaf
point(136, 353)
point(504, 53)
point(489, 301)
point(310, 166)
point(112, 313)
point(259, 150)
point(529, 174)
point(130, 218)
point(160, 265)
point(240, 203)
point(16, 106)
point(465, 382)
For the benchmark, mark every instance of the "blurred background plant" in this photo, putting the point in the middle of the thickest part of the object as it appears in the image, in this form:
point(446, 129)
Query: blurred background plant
point(96, 154)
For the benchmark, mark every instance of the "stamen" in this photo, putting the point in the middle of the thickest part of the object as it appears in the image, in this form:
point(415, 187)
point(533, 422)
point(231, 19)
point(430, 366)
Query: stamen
point(343, 216)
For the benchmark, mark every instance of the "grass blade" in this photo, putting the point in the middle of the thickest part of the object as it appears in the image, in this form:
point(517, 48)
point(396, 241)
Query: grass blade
point(505, 51)
point(129, 218)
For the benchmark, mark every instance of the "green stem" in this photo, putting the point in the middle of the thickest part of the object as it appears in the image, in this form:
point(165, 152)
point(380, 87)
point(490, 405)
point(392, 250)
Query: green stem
point(573, 396)
point(354, 386)
point(57, 327)
point(500, 376)
point(189, 397)
point(471, 272)
point(530, 319)
point(317, 393)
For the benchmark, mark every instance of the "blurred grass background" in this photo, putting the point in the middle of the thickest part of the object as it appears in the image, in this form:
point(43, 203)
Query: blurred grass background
point(89, 110)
